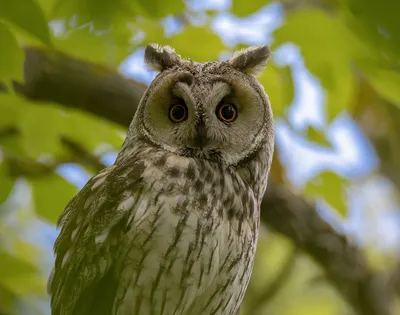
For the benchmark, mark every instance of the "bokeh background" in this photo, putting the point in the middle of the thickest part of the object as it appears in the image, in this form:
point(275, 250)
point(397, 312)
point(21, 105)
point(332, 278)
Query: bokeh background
point(330, 239)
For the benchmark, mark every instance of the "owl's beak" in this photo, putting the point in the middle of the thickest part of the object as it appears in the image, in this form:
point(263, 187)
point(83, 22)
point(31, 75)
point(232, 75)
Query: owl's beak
point(200, 139)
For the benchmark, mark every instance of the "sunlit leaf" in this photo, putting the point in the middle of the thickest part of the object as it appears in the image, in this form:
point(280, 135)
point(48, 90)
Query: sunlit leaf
point(154, 32)
point(91, 131)
point(208, 44)
point(7, 301)
point(9, 121)
point(19, 276)
point(27, 15)
point(6, 181)
point(29, 251)
point(107, 47)
point(11, 266)
point(385, 81)
point(317, 136)
point(11, 56)
point(39, 137)
point(320, 38)
point(36, 138)
point(246, 7)
point(47, 7)
point(22, 285)
point(51, 194)
point(160, 8)
point(375, 23)
point(279, 86)
point(331, 187)
point(10, 109)
point(100, 13)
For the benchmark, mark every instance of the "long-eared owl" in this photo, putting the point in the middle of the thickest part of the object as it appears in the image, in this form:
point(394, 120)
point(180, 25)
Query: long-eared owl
point(171, 227)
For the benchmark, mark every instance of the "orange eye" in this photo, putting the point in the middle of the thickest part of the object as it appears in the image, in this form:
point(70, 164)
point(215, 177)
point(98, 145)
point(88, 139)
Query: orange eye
point(226, 112)
point(177, 113)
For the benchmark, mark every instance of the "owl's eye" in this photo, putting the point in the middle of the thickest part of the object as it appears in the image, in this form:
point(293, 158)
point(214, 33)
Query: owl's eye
point(177, 113)
point(226, 112)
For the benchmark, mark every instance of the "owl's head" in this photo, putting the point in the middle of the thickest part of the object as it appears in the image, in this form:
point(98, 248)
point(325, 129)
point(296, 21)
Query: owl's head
point(210, 110)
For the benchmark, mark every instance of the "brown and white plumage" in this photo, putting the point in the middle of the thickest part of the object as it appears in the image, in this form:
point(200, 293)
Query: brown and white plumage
point(171, 228)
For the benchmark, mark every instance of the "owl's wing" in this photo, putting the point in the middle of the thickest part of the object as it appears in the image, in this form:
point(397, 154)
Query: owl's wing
point(92, 229)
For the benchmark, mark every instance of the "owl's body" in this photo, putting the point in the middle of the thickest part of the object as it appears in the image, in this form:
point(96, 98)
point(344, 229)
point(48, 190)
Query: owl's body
point(171, 228)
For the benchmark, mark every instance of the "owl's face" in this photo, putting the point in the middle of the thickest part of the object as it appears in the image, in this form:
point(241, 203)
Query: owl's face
point(214, 111)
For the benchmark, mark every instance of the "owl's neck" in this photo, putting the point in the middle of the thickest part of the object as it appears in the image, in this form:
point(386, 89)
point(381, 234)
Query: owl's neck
point(253, 173)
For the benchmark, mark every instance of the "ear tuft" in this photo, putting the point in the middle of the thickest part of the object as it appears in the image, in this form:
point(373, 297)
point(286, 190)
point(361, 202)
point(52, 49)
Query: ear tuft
point(160, 57)
point(251, 60)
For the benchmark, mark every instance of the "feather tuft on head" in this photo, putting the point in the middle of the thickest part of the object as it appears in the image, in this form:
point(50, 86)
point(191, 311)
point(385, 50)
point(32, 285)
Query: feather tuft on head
point(161, 57)
point(251, 60)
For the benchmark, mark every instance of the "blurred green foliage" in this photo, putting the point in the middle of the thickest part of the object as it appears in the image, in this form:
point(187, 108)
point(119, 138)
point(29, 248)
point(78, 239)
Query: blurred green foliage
point(343, 43)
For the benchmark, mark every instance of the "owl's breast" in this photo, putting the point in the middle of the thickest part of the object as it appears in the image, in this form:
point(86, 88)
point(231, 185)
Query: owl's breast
point(190, 248)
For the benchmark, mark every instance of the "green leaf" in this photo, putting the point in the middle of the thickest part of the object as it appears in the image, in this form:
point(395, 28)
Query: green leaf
point(11, 265)
point(108, 47)
point(7, 183)
point(7, 302)
point(100, 13)
point(376, 23)
point(330, 187)
point(153, 30)
point(27, 15)
point(11, 56)
point(21, 285)
point(50, 195)
point(47, 7)
point(320, 38)
point(9, 110)
point(161, 8)
point(279, 86)
point(246, 7)
point(38, 137)
point(317, 136)
point(208, 44)
point(386, 82)
point(90, 131)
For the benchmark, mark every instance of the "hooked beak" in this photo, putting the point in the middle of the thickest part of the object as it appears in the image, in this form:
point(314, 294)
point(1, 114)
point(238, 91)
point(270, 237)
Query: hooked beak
point(200, 139)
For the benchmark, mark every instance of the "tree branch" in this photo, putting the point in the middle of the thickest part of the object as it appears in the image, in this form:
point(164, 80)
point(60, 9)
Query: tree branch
point(76, 84)
point(342, 262)
point(82, 155)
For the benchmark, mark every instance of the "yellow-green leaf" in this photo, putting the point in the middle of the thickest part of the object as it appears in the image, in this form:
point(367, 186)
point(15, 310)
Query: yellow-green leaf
point(246, 7)
point(27, 15)
point(39, 137)
point(90, 131)
point(11, 56)
point(19, 276)
point(160, 8)
point(107, 47)
point(385, 81)
point(331, 187)
point(6, 182)
point(317, 136)
point(208, 45)
point(50, 195)
point(279, 86)
point(11, 266)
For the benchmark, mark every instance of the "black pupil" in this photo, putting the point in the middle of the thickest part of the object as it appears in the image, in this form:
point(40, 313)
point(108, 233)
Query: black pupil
point(227, 112)
point(178, 112)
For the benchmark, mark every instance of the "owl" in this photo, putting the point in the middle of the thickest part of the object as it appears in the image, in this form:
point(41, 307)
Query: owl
point(171, 227)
